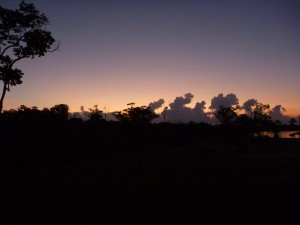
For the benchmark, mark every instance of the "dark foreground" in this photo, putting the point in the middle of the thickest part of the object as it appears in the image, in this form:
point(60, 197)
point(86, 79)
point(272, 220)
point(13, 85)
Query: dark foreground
point(82, 177)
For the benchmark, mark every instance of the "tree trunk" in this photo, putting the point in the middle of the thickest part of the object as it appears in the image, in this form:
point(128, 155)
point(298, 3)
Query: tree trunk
point(2, 97)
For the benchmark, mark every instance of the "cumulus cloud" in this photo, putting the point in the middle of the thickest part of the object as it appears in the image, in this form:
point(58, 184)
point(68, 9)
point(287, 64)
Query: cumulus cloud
point(226, 101)
point(156, 104)
point(277, 114)
point(200, 106)
point(249, 103)
point(199, 114)
point(247, 106)
point(179, 112)
point(180, 102)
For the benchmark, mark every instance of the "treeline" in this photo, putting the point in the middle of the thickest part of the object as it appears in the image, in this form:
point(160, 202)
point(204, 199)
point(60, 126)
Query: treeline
point(256, 116)
point(60, 112)
point(50, 136)
point(50, 127)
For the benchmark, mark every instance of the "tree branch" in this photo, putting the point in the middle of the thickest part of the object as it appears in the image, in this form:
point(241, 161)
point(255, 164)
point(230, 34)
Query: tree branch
point(7, 87)
point(56, 47)
point(16, 60)
point(8, 47)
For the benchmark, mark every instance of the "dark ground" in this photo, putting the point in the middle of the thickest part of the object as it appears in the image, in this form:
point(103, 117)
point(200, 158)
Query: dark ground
point(132, 176)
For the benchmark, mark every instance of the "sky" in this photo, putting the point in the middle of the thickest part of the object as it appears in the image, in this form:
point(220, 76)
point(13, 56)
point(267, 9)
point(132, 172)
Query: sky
point(116, 52)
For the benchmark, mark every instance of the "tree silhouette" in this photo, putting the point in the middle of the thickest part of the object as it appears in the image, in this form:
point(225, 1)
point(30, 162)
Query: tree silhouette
point(23, 34)
point(60, 111)
point(139, 115)
point(261, 114)
point(226, 115)
point(244, 120)
point(95, 114)
point(261, 111)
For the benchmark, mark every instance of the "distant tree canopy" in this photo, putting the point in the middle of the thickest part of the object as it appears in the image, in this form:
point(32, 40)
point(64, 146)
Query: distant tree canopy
point(23, 34)
point(226, 115)
point(256, 115)
point(60, 111)
point(230, 117)
point(95, 114)
point(138, 115)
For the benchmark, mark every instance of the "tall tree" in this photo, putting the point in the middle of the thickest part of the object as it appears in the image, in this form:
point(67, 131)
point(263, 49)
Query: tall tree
point(23, 34)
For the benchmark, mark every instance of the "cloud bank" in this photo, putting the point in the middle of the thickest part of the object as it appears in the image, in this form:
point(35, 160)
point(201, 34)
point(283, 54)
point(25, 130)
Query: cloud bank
point(178, 111)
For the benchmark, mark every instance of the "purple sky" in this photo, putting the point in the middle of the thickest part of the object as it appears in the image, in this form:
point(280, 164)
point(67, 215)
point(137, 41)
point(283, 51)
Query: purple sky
point(116, 52)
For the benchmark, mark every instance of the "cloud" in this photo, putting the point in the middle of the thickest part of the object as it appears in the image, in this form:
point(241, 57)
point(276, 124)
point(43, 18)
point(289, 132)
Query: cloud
point(199, 113)
point(200, 106)
point(277, 114)
point(247, 106)
point(249, 103)
point(156, 104)
point(226, 101)
point(180, 102)
point(179, 112)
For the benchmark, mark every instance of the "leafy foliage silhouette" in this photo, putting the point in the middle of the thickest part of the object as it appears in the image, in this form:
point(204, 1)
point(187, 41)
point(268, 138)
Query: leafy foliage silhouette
point(60, 111)
point(138, 115)
point(95, 114)
point(23, 34)
point(255, 119)
point(226, 115)
point(261, 112)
